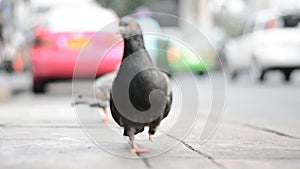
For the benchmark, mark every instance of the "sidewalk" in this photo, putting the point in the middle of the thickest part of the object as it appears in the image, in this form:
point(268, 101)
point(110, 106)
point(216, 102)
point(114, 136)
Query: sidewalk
point(49, 136)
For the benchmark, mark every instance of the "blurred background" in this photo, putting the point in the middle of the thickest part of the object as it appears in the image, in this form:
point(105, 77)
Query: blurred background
point(256, 40)
point(254, 43)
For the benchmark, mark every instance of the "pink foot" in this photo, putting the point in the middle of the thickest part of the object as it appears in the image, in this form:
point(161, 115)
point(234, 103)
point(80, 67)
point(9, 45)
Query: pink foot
point(107, 118)
point(136, 149)
point(151, 137)
point(140, 150)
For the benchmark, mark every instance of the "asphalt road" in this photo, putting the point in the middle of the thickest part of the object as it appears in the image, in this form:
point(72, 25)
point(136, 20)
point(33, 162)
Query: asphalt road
point(259, 128)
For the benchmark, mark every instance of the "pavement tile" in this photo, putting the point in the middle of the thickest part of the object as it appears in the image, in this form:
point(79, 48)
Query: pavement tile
point(58, 148)
point(264, 164)
point(236, 146)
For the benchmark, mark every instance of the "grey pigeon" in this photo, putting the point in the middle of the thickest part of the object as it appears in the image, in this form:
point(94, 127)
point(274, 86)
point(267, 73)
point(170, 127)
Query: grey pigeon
point(147, 100)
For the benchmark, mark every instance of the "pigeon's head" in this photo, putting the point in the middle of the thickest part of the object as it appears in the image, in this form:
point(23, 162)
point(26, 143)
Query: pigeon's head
point(129, 27)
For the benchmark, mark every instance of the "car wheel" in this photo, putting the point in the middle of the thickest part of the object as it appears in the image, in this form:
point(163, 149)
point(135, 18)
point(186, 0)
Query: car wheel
point(8, 66)
point(287, 75)
point(39, 86)
point(257, 72)
point(201, 73)
point(230, 70)
point(234, 74)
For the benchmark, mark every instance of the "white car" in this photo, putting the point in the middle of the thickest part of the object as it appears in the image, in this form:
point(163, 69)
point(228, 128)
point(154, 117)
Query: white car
point(270, 42)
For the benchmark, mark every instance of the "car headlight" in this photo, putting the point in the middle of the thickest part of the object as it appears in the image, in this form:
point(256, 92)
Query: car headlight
point(173, 55)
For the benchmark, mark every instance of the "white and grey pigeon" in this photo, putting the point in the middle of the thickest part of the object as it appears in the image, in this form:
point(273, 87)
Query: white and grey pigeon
point(101, 92)
point(141, 94)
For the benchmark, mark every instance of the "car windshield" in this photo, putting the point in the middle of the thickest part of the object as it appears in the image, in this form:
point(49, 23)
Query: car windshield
point(287, 21)
point(78, 19)
point(291, 21)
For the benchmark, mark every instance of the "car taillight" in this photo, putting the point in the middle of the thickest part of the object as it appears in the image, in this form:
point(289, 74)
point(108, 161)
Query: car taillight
point(272, 24)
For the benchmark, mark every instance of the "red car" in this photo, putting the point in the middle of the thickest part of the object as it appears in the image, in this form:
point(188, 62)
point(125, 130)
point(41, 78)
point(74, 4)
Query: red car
point(69, 42)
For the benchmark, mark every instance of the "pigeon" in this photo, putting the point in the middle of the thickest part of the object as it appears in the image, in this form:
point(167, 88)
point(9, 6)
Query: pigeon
point(101, 92)
point(141, 95)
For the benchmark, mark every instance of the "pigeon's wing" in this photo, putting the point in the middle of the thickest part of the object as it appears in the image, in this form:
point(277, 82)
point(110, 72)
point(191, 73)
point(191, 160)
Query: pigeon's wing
point(169, 97)
point(168, 105)
point(123, 121)
point(114, 112)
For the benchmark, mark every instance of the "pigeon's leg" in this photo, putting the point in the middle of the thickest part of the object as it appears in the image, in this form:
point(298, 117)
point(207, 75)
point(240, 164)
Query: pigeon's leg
point(152, 130)
point(151, 137)
point(107, 117)
point(133, 144)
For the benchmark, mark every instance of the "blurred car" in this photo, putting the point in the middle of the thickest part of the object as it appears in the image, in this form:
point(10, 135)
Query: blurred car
point(271, 41)
point(175, 57)
point(171, 55)
point(60, 38)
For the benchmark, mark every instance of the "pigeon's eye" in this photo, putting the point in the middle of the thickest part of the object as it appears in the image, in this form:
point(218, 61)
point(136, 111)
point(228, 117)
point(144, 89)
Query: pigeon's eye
point(132, 26)
point(124, 24)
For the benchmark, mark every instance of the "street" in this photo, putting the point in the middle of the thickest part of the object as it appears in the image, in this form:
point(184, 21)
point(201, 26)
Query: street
point(259, 129)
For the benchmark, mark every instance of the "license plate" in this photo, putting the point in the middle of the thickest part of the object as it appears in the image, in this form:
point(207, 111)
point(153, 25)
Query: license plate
point(76, 43)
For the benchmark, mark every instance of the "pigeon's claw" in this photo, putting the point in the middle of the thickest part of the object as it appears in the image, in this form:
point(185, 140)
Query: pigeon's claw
point(151, 137)
point(140, 150)
point(136, 149)
point(107, 118)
